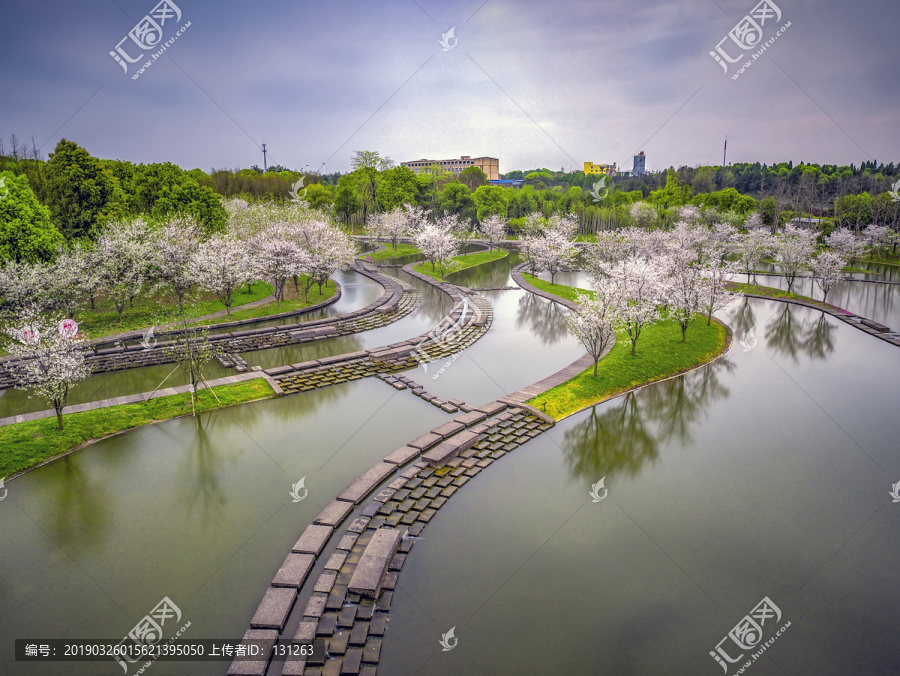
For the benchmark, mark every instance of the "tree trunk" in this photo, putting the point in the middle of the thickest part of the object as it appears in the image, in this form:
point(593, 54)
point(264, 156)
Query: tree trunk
point(59, 417)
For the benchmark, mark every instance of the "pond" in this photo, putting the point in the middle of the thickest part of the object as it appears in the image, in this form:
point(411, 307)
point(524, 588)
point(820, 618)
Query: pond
point(765, 474)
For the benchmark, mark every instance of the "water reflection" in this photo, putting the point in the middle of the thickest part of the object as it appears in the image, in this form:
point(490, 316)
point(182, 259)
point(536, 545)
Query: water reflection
point(790, 336)
point(78, 517)
point(742, 319)
point(543, 318)
point(201, 472)
point(624, 437)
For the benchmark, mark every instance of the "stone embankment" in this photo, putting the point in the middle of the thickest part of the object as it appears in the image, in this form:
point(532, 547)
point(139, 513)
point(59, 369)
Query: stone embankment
point(397, 301)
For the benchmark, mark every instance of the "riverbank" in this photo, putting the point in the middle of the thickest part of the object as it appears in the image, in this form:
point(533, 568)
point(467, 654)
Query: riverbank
point(27, 445)
point(458, 263)
point(660, 354)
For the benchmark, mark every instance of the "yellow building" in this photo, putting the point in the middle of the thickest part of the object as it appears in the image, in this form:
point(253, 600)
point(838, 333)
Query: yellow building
point(605, 169)
point(489, 165)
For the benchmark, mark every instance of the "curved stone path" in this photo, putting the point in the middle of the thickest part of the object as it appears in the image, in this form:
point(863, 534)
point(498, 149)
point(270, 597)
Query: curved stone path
point(397, 301)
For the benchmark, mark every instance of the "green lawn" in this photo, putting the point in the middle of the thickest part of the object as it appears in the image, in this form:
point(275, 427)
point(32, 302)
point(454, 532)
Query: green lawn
point(293, 300)
point(27, 444)
point(660, 354)
point(567, 292)
point(157, 309)
point(388, 252)
point(770, 292)
point(458, 263)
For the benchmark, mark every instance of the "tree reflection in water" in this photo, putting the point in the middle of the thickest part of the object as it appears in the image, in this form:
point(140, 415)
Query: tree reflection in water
point(543, 318)
point(790, 336)
point(79, 519)
point(200, 477)
point(624, 437)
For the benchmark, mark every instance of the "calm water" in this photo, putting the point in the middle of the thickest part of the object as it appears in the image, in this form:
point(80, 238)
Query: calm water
point(766, 474)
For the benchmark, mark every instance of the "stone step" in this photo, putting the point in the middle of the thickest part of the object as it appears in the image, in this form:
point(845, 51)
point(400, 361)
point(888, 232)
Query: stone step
point(373, 564)
point(440, 454)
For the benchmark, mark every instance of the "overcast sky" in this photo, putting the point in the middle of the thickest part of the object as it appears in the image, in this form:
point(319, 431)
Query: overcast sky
point(534, 83)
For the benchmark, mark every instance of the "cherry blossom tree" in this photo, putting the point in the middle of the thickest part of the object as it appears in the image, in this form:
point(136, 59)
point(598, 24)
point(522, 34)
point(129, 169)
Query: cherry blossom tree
point(71, 278)
point(643, 214)
point(173, 248)
point(846, 244)
point(595, 321)
point(493, 229)
point(751, 249)
point(556, 251)
point(793, 249)
point(680, 283)
point(714, 293)
point(878, 237)
point(51, 357)
point(391, 224)
point(827, 268)
point(609, 248)
point(23, 284)
point(754, 222)
point(122, 257)
point(221, 265)
point(437, 241)
point(279, 256)
point(530, 249)
point(639, 281)
point(327, 249)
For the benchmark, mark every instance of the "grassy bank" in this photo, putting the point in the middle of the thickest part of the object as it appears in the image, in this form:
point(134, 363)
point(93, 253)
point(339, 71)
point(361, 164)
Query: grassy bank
point(388, 252)
point(155, 310)
point(770, 292)
point(458, 263)
point(567, 292)
point(293, 300)
point(27, 444)
point(660, 354)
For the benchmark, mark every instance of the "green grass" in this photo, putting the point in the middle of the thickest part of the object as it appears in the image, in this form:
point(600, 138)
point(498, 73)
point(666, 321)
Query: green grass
point(458, 263)
point(883, 260)
point(770, 292)
point(660, 354)
point(388, 252)
point(567, 292)
point(157, 309)
point(293, 300)
point(24, 445)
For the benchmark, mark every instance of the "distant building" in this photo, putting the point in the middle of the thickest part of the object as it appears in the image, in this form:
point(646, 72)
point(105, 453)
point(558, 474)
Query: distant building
point(509, 182)
point(489, 165)
point(640, 164)
point(605, 169)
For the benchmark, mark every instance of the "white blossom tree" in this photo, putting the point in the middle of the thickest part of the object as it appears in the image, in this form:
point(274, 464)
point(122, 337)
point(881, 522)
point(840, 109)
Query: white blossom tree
point(793, 249)
point(827, 268)
point(71, 278)
point(753, 222)
point(121, 258)
point(680, 282)
point(878, 237)
point(643, 215)
point(639, 281)
point(173, 248)
point(595, 321)
point(327, 249)
point(493, 229)
point(221, 265)
point(751, 249)
point(556, 251)
point(391, 224)
point(279, 256)
point(23, 284)
point(845, 243)
point(714, 293)
point(51, 356)
point(437, 241)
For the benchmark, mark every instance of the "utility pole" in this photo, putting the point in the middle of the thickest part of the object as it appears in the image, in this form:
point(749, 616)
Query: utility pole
point(725, 152)
point(265, 167)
